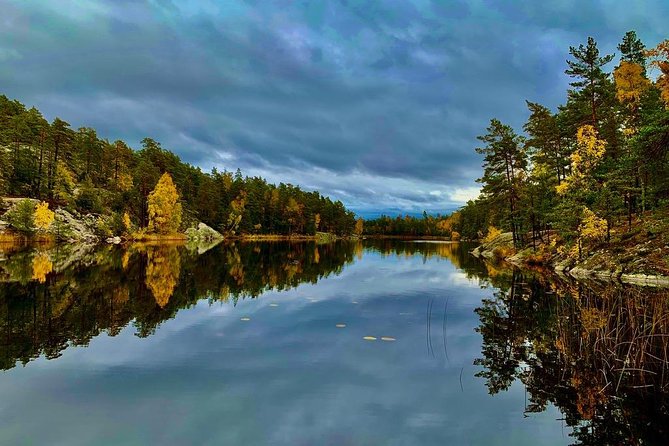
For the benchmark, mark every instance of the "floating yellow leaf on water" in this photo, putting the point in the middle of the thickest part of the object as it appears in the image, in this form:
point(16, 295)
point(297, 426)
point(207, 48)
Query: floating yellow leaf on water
point(369, 338)
point(245, 319)
point(340, 325)
point(387, 338)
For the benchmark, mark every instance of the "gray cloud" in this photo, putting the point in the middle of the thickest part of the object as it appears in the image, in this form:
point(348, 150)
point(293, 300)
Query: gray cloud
point(316, 93)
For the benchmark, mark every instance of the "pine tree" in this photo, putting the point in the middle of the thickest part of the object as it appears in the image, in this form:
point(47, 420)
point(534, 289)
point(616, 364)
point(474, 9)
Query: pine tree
point(22, 216)
point(504, 164)
point(588, 68)
point(545, 144)
point(633, 50)
point(62, 136)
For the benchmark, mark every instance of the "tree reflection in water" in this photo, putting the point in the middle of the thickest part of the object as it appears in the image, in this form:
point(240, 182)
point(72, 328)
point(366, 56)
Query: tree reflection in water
point(163, 265)
point(42, 266)
point(599, 353)
point(52, 299)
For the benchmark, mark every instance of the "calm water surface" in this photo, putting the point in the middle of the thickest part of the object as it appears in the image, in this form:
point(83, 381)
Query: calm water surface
point(396, 343)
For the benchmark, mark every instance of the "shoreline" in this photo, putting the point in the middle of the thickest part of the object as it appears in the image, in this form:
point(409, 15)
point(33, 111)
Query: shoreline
point(14, 238)
point(611, 269)
point(411, 237)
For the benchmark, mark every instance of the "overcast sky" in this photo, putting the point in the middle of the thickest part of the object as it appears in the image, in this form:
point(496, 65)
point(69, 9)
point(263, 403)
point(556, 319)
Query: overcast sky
point(376, 103)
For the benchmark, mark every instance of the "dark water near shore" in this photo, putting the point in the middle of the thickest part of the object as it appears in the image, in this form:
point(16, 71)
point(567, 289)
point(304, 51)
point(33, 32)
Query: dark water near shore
point(386, 342)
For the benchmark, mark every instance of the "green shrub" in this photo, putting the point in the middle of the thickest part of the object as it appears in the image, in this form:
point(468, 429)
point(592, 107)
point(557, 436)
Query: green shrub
point(102, 228)
point(116, 224)
point(22, 216)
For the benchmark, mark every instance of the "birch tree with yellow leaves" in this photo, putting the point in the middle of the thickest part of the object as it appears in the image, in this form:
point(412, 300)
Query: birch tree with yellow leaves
point(589, 152)
point(164, 207)
point(43, 216)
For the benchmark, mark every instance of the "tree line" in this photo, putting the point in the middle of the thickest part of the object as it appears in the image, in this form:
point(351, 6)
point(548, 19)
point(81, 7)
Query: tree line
point(599, 162)
point(411, 226)
point(78, 170)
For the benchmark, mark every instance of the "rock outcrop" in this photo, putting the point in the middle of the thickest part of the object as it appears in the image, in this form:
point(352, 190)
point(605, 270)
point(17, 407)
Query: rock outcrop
point(202, 238)
point(66, 226)
point(487, 249)
point(73, 227)
point(203, 233)
point(599, 265)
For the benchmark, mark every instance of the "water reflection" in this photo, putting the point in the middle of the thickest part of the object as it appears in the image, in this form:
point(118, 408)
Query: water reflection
point(42, 266)
point(597, 353)
point(50, 299)
point(163, 265)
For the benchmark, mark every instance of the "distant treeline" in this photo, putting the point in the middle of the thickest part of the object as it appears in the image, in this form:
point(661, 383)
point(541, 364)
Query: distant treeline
point(593, 168)
point(81, 171)
point(407, 225)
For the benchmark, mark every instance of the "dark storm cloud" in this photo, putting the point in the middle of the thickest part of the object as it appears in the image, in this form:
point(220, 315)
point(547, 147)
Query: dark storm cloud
point(375, 103)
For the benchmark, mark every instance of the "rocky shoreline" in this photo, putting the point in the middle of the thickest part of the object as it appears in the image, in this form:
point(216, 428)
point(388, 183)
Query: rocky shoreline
point(72, 227)
point(605, 265)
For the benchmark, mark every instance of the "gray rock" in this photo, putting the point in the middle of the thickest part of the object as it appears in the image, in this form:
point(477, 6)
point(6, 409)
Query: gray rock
point(203, 233)
point(67, 227)
point(645, 280)
point(486, 250)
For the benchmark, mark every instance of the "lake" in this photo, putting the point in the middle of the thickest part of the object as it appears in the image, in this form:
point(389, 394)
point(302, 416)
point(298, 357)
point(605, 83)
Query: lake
point(350, 343)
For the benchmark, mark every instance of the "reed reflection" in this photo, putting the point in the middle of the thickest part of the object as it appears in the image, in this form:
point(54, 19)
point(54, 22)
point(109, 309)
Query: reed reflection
point(598, 352)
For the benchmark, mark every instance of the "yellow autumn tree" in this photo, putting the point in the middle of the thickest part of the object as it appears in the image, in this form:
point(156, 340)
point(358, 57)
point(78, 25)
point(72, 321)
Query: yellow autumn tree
point(294, 212)
point(631, 82)
point(592, 227)
point(124, 181)
point(445, 224)
point(359, 226)
point(589, 151)
point(493, 233)
point(237, 207)
point(660, 59)
point(164, 207)
point(43, 216)
point(127, 224)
